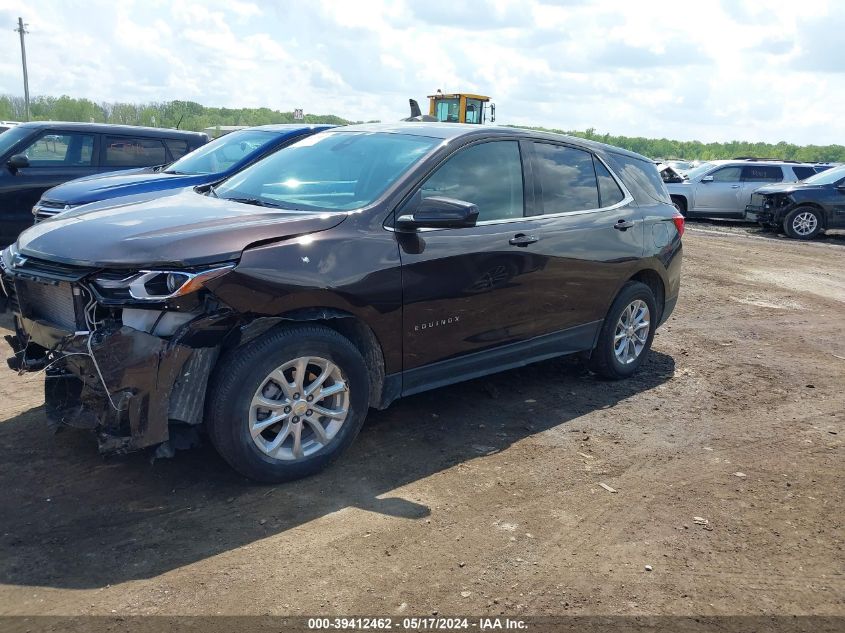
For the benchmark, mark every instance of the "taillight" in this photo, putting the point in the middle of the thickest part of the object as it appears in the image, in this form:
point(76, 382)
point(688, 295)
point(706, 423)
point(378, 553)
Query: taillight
point(678, 219)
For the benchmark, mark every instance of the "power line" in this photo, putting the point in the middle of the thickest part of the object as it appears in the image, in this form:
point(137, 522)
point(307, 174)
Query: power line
point(22, 30)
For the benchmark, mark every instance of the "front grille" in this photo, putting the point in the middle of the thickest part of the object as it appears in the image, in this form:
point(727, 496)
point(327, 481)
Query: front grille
point(51, 204)
point(52, 303)
point(48, 208)
point(42, 268)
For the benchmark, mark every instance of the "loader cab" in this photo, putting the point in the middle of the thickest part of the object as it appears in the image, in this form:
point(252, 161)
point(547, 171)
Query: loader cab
point(461, 108)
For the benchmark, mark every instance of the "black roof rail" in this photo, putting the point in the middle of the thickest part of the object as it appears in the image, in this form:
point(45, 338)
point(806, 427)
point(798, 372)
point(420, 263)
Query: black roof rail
point(765, 160)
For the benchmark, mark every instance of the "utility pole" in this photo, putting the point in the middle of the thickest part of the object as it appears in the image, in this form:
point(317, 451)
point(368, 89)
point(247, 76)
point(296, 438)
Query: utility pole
point(22, 30)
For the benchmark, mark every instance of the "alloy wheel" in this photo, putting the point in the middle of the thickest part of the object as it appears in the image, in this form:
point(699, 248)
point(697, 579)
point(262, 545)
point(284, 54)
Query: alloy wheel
point(805, 223)
point(299, 408)
point(631, 334)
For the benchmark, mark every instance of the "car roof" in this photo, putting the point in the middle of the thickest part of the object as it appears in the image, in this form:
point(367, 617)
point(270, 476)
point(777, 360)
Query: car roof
point(450, 131)
point(112, 128)
point(285, 128)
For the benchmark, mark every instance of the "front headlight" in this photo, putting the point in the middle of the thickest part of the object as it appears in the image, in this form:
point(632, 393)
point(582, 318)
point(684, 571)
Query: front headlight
point(156, 285)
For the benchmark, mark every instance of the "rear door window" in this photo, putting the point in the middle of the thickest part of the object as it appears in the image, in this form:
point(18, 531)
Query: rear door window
point(53, 149)
point(488, 174)
point(566, 179)
point(762, 173)
point(124, 151)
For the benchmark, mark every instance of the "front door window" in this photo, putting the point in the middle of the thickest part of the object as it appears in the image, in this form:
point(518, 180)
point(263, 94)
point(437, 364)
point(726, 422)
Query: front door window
point(55, 149)
point(488, 174)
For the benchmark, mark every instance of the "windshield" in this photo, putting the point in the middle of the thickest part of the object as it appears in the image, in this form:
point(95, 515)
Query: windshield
point(827, 177)
point(11, 137)
point(702, 169)
point(220, 154)
point(331, 170)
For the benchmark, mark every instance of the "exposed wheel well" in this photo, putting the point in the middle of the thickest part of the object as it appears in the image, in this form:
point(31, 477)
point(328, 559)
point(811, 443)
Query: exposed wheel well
point(651, 279)
point(351, 327)
point(681, 201)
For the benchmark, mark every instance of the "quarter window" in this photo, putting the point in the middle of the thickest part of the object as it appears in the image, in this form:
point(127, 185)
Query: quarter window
point(609, 191)
point(59, 148)
point(762, 173)
point(566, 177)
point(177, 148)
point(134, 152)
point(488, 174)
point(727, 174)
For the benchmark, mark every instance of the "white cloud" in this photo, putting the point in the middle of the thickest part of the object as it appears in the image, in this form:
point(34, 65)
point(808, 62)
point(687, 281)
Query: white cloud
point(736, 70)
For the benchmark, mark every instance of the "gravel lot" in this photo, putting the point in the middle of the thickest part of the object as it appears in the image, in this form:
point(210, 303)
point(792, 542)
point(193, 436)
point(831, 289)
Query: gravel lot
point(725, 454)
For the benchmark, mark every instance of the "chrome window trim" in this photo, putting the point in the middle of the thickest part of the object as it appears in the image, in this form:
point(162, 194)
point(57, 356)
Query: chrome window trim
point(627, 200)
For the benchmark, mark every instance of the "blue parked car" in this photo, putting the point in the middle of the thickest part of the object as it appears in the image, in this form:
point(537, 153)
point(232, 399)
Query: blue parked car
point(209, 164)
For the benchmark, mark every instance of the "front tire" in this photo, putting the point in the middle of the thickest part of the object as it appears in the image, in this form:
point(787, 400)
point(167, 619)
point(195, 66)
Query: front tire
point(287, 404)
point(803, 223)
point(627, 332)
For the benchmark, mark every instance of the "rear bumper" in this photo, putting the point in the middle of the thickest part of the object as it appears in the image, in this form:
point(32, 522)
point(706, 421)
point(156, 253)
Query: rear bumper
point(668, 309)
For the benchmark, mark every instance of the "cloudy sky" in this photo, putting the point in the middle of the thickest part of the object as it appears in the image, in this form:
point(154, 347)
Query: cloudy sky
point(707, 70)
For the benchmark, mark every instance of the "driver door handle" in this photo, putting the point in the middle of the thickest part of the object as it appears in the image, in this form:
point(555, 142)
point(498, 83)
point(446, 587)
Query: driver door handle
point(521, 239)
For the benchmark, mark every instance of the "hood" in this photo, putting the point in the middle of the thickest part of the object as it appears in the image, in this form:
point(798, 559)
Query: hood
point(179, 230)
point(787, 187)
point(122, 183)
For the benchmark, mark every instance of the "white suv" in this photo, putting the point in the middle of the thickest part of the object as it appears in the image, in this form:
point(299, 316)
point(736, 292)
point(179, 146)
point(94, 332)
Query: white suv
point(722, 188)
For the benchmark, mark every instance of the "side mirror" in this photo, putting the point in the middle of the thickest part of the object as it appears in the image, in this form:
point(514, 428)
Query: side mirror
point(437, 213)
point(707, 179)
point(18, 161)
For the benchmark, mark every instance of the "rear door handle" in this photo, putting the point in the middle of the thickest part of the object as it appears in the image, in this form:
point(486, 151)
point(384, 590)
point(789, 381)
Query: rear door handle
point(623, 225)
point(521, 239)
point(735, 186)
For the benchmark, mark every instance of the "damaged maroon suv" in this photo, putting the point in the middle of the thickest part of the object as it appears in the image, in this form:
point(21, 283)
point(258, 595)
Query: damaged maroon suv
point(354, 267)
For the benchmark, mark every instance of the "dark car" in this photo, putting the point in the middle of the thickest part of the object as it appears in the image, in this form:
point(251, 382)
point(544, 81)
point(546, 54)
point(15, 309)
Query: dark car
point(210, 163)
point(39, 155)
point(344, 271)
point(804, 209)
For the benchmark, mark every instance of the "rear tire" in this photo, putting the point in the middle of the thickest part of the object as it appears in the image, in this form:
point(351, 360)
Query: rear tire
point(627, 332)
point(283, 376)
point(803, 223)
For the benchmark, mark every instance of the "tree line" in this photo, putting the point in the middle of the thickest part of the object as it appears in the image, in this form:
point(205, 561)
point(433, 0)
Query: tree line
point(186, 115)
point(189, 115)
point(696, 150)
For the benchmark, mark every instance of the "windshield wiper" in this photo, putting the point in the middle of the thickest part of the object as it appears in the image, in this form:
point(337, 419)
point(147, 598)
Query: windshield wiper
point(212, 191)
point(256, 201)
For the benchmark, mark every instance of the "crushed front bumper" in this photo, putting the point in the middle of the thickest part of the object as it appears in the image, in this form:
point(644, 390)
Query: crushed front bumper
point(124, 384)
point(759, 214)
point(121, 383)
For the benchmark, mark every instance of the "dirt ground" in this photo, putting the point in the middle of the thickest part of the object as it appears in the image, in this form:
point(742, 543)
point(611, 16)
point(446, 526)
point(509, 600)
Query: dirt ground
point(725, 454)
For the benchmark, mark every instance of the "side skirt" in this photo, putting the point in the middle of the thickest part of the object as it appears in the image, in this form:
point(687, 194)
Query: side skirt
point(468, 366)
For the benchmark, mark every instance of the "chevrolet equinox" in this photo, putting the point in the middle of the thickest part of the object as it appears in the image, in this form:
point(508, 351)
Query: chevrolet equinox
point(351, 268)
